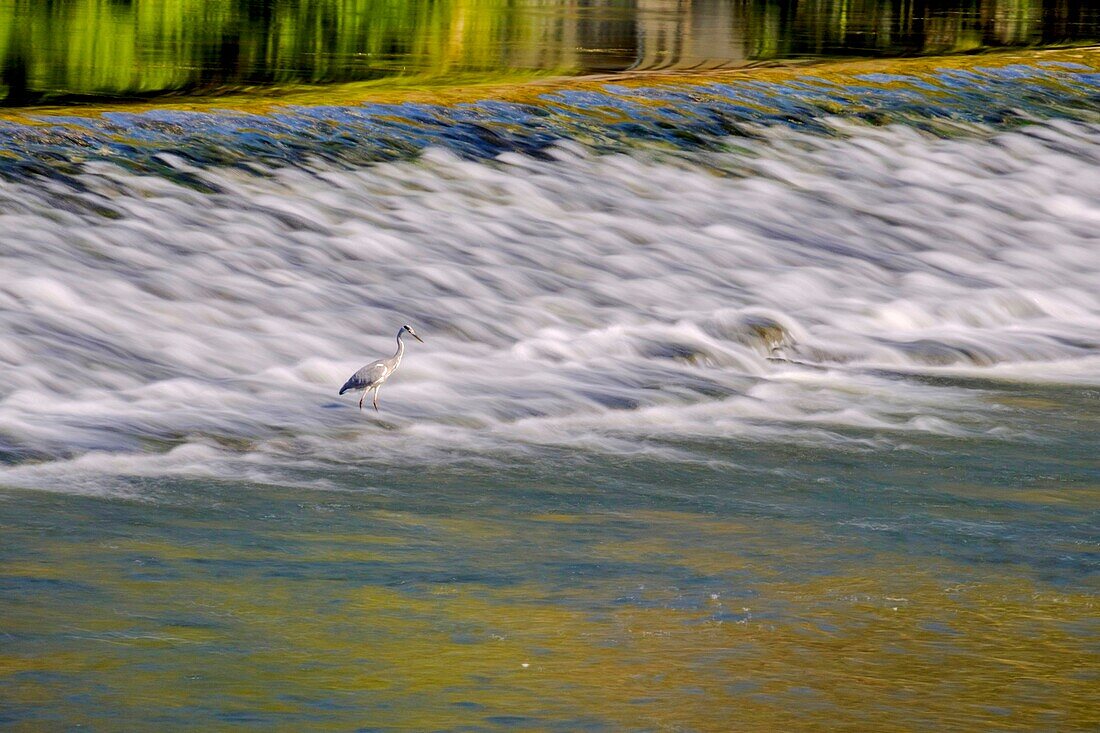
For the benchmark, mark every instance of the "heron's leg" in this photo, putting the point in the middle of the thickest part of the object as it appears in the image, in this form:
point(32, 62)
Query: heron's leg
point(363, 397)
point(376, 397)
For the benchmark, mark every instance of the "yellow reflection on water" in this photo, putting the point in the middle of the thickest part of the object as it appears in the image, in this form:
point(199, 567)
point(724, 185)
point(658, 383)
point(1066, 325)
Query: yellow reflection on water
point(874, 640)
point(530, 87)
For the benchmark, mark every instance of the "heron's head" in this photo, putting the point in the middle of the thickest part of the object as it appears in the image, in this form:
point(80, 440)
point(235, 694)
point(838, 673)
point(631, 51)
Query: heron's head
point(412, 333)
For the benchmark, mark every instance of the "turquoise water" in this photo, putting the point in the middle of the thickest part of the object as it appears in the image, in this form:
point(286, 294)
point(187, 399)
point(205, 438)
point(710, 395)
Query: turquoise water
point(754, 404)
point(941, 584)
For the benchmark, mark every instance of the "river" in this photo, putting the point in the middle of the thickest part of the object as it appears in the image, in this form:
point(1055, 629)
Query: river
point(746, 401)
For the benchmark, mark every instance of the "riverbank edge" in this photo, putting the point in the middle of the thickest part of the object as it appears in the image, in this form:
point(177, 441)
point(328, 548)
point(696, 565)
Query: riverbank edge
point(268, 99)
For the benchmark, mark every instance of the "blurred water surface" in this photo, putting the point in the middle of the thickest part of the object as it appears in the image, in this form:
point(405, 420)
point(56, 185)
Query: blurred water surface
point(75, 48)
point(756, 402)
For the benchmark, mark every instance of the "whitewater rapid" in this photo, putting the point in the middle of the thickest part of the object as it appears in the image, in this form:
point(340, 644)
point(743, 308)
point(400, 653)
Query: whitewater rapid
point(794, 287)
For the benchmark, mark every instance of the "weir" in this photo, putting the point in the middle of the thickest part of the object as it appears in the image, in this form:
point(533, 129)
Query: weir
point(749, 398)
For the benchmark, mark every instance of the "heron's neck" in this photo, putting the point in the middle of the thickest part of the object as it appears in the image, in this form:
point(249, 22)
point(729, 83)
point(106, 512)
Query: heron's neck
point(400, 345)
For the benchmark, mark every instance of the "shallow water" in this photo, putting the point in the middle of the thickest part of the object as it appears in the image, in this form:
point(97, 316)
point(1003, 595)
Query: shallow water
point(773, 416)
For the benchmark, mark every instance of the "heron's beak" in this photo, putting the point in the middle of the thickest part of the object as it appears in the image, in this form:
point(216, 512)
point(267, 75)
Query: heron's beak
point(416, 337)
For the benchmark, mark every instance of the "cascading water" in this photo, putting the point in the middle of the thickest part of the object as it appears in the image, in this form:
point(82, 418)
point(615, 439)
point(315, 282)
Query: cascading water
point(782, 284)
point(771, 402)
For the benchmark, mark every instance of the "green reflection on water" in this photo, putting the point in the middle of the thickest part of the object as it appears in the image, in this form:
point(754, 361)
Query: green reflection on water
point(107, 47)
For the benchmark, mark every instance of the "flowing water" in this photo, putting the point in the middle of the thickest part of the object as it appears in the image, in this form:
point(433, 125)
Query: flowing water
point(759, 402)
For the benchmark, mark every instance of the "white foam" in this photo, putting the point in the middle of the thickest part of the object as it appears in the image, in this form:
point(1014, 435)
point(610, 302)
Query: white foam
point(576, 302)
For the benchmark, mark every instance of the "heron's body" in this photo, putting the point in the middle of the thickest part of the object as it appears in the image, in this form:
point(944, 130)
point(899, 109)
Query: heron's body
point(373, 375)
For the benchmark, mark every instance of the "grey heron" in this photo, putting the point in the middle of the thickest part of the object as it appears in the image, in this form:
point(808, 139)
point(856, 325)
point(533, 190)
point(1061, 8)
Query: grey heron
point(374, 374)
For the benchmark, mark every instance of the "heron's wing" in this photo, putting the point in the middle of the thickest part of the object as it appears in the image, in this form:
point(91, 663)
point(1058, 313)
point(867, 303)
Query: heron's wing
point(370, 374)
